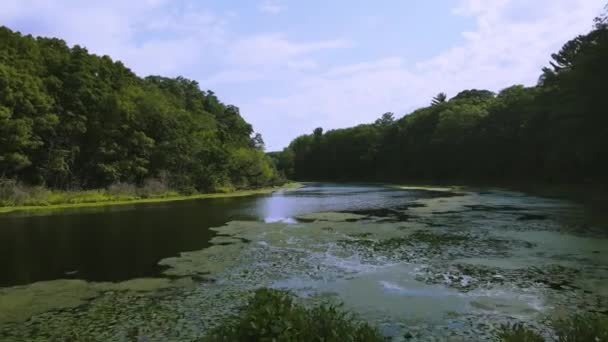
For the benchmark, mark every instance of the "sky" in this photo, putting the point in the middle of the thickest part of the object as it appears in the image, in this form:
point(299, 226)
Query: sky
point(292, 66)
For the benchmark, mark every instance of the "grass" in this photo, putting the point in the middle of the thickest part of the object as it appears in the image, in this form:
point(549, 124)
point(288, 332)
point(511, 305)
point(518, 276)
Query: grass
point(34, 199)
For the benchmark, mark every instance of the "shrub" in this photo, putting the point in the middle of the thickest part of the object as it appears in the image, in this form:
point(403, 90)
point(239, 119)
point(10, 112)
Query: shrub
point(118, 189)
point(12, 192)
point(518, 333)
point(582, 328)
point(152, 187)
point(272, 315)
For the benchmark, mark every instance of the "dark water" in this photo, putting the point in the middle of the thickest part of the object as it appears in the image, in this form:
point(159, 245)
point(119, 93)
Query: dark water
point(124, 242)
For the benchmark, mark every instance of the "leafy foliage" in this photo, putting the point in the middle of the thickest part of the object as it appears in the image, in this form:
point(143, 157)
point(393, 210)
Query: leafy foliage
point(439, 98)
point(553, 132)
point(272, 315)
point(518, 333)
point(70, 119)
point(583, 328)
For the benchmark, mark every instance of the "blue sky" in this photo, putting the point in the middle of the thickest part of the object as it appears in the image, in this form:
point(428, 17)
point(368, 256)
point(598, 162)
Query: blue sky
point(293, 65)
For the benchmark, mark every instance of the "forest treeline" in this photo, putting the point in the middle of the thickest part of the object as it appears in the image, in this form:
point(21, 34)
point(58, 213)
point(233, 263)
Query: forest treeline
point(556, 131)
point(70, 119)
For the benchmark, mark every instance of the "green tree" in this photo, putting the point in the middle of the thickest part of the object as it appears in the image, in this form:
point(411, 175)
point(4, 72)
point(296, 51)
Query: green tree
point(439, 98)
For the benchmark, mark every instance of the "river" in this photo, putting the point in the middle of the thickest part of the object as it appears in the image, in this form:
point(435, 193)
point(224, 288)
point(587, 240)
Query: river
point(420, 263)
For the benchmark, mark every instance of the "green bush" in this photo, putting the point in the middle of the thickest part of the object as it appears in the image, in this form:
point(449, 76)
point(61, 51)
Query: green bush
point(578, 328)
point(12, 192)
point(518, 333)
point(582, 328)
point(272, 315)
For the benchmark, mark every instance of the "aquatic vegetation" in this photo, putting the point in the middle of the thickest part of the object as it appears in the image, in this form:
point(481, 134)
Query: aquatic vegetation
point(401, 247)
point(459, 275)
point(22, 302)
point(201, 263)
point(273, 315)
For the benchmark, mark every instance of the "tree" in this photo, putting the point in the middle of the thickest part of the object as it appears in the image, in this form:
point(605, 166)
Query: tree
point(439, 98)
point(385, 120)
point(553, 132)
point(258, 142)
point(70, 118)
point(474, 95)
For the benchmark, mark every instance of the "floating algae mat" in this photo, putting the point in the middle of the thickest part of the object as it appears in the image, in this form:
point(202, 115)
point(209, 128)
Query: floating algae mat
point(437, 267)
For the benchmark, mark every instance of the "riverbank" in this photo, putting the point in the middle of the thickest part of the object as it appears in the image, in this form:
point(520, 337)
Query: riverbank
point(94, 199)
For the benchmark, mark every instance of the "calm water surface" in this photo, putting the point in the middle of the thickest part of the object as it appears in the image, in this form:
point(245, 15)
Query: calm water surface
point(124, 242)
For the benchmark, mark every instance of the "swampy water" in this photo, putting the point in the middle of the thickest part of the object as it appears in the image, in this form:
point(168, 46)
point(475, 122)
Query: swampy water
point(420, 263)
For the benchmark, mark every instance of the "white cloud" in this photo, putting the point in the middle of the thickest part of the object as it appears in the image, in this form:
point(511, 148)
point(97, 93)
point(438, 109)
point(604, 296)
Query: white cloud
point(271, 56)
point(271, 7)
point(277, 49)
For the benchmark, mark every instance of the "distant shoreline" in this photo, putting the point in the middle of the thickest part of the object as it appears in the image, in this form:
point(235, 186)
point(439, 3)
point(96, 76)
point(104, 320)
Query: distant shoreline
point(172, 198)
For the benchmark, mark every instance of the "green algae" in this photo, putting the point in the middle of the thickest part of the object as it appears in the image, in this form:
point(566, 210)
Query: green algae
point(21, 302)
point(202, 263)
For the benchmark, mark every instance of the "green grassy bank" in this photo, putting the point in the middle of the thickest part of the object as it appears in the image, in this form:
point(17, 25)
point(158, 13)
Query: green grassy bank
point(96, 198)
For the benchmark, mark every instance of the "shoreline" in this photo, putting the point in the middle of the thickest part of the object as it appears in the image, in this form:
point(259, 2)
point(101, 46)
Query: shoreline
point(237, 193)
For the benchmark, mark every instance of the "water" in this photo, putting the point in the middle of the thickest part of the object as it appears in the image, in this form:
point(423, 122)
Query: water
point(124, 242)
point(416, 262)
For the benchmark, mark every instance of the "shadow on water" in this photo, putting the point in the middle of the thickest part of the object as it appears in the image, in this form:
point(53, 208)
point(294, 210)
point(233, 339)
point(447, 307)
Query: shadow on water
point(107, 243)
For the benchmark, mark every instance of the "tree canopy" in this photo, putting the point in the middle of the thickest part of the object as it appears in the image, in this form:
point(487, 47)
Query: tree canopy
point(71, 119)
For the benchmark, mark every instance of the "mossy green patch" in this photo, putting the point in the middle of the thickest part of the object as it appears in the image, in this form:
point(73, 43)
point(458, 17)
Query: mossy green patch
point(204, 262)
point(22, 302)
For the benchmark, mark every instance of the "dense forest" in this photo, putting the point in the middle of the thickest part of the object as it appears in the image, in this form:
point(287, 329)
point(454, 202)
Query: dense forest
point(556, 131)
point(72, 120)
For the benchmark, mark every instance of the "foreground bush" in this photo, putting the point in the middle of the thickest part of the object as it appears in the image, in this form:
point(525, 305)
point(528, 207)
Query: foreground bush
point(271, 315)
point(583, 329)
point(579, 328)
point(518, 333)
